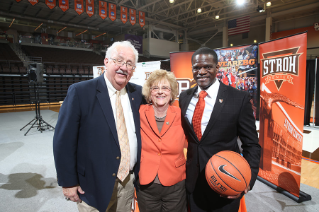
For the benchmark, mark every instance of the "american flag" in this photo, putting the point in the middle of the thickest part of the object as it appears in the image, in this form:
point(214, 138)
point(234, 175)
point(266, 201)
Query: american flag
point(239, 25)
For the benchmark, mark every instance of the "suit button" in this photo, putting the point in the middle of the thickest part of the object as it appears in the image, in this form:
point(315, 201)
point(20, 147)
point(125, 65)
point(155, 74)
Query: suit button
point(113, 174)
point(159, 154)
point(118, 157)
point(159, 140)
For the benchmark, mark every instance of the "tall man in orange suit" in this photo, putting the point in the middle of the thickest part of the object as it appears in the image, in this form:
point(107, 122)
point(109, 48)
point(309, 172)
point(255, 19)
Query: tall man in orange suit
point(214, 116)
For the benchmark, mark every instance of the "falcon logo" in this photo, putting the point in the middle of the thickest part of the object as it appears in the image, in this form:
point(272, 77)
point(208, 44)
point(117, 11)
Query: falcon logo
point(221, 168)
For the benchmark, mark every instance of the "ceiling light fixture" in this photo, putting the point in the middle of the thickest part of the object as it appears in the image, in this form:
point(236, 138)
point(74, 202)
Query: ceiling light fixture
point(38, 27)
point(268, 4)
point(231, 44)
point(240, 2)
point(12, 22)
point(217, 17)
point(255, 41)
point(81, 32)
point(100, 35)
point(260, 9)
point(61, 30)
point(199, 10)
point(171, 1)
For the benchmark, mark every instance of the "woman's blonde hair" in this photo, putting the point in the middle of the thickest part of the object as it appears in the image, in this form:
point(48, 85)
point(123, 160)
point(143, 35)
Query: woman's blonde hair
point(156, 77)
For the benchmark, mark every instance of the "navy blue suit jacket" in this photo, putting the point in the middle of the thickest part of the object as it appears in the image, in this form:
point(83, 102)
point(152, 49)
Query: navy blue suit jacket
point(85, 143)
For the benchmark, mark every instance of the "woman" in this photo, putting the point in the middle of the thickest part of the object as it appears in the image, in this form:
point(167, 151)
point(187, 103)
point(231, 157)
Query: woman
point(162, 170)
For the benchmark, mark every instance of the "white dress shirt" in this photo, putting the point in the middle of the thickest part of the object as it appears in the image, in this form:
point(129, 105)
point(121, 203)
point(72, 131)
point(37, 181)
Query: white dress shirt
point(128, 116)
point(210, 100)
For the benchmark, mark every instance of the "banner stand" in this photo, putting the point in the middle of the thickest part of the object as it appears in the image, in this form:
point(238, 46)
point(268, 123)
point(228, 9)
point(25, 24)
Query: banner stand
point(302, 195)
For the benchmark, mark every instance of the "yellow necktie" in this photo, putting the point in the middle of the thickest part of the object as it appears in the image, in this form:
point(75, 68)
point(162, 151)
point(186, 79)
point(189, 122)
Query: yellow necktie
point(123, 140)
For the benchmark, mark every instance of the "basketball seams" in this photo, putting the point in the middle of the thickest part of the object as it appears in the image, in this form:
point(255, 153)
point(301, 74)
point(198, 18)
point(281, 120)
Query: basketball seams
point(234, 167)
point(221, 178)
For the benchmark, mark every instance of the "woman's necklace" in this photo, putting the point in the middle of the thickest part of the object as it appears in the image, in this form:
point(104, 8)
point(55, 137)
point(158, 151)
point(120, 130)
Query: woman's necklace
point(157, 116)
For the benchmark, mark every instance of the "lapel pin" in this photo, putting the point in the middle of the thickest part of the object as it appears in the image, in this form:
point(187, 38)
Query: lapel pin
point(167, 123)
point(221, 100)
point(132, 98)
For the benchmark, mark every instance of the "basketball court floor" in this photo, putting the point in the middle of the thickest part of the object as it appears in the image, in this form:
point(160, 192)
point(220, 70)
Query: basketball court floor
point(28, 178)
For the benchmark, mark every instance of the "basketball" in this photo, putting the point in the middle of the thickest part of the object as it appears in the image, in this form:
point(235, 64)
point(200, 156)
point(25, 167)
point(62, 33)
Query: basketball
point(228, 173)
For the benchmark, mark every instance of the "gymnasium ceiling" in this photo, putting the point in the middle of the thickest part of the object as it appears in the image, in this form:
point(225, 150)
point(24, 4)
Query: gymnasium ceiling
point(160, 14)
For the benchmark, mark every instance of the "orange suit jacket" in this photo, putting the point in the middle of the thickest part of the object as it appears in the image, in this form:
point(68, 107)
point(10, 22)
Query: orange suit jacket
point(162, 152)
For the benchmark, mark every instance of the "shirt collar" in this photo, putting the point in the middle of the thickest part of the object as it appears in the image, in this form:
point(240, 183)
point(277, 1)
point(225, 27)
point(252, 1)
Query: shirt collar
point(211, 91)
point(110, 87)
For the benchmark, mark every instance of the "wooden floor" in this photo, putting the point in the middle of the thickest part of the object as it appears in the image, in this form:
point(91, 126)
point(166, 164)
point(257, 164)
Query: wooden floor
point(309, 169)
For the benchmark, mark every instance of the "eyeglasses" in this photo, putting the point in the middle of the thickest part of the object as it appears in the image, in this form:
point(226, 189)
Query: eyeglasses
point(163, 88)
point(120, 62)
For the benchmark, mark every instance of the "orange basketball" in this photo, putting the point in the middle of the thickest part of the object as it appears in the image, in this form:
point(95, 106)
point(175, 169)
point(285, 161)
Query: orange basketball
point(228, 173)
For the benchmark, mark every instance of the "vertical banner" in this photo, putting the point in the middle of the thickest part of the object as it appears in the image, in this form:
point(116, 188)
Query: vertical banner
point(132, 16)
point(102, 9)
point(64, 5)
point(112, 11)
point(124, 14)
point(90, 7)
point(50, 3)
point(136, 41)
point(142, 18)
point(238, 68)
point(33, 2)
point(78, 6)
point(282, 99)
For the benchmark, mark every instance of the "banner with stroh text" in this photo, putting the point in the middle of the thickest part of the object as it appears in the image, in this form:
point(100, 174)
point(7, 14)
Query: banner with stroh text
point(141, 18)
point(124, 14)
point(112, 11)
point(64, 5)
point(78, 6)
point(90, 7)
point(50, 3)
point(282, 100)
point(33, 2)
point(132, 16)
point(102, 9)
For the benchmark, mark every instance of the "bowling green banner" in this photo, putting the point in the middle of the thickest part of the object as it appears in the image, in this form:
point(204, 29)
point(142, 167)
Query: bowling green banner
point(102, 9)
point(132, 16)
point(50, 3)
point(124, 14)
point(33, 2)
point(90, 7)
point(78, 6)
point(64, 5)
point(141, 18)
point(282, 101)
point(112, 11)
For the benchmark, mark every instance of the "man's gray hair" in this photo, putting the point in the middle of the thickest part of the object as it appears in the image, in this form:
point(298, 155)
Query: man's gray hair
point(117, 44)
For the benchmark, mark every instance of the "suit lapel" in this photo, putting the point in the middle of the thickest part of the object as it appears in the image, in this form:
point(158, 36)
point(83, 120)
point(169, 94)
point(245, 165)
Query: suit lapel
point(170, 117)
point(222, 95)
point(104, 100)
point(149, 115)
point(133, 96)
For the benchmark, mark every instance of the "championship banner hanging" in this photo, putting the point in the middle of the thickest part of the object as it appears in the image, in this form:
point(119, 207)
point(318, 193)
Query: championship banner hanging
point(102, 9)
point(64, 5)
point(50, 3)
point(78, 6)
point(33, 2)
point(132, 16)
point(282, 101)
point(141, 18)
point(90, 7)
point(124, 14)
point(112, 11)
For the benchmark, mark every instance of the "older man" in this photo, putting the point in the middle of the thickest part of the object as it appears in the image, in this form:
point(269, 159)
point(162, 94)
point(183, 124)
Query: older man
point(97, 141)
point(214, 116)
